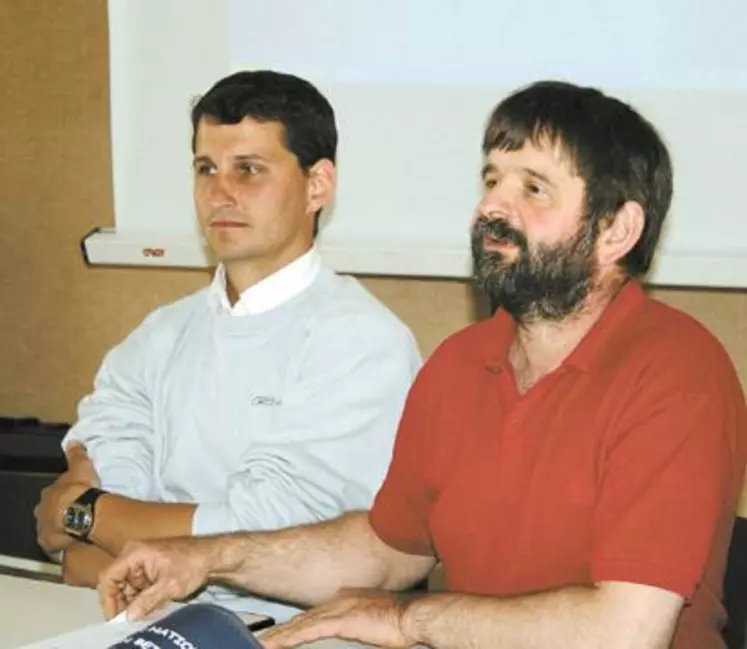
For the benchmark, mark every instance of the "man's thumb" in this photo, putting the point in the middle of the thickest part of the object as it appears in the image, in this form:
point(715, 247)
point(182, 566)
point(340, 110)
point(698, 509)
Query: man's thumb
point(75, 451)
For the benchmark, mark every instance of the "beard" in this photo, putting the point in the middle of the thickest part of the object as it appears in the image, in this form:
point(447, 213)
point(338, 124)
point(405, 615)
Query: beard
point(545, 283)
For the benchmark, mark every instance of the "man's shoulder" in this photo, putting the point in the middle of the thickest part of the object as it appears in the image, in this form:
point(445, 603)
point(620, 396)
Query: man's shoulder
point(175, 315)
point(342, 302)
point(464, 354)
point(480, 341)
point(665, 345)
point(667, 331)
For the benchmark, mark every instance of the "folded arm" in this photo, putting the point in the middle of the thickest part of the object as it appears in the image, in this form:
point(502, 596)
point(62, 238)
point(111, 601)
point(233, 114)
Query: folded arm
point(111, 447)
point(326, 454)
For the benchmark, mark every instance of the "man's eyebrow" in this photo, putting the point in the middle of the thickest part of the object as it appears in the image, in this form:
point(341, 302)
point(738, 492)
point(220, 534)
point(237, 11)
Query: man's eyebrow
point(487, 168)
point(242, 157)
point(539, 176)
point(251, 157)
point(201, 159)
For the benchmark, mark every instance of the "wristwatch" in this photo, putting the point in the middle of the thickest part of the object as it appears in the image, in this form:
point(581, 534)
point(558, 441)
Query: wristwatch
point(79, 516)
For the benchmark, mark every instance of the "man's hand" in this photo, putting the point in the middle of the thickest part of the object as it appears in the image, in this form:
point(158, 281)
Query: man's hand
point(80, 468)
point(368, 616)
point(80, 476)
point(149, 574)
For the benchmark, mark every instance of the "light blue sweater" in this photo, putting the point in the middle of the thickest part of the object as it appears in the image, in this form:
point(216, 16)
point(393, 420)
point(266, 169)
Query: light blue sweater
point(265, 421)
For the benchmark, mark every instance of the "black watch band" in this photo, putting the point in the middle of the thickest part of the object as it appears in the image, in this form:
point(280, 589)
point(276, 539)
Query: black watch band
point(89, 496)
point(79, 516)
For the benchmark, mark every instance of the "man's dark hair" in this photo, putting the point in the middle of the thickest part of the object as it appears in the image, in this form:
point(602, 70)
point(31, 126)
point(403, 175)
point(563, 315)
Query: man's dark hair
point(616, 152)
point(307, 117)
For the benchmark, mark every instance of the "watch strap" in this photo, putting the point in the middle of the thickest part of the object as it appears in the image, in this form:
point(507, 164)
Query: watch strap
point(90, 496)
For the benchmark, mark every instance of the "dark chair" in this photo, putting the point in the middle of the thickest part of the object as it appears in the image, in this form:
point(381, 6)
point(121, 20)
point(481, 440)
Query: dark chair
point(30, 458)
point(735, 587)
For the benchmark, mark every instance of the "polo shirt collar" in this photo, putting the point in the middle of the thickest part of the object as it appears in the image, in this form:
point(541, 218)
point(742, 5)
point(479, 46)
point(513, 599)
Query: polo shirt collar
point(596, 348)
point(602, 342)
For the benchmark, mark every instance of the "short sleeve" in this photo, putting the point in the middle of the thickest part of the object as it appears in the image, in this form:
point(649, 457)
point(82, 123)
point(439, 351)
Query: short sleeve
point(671, 477)
point(402, 507)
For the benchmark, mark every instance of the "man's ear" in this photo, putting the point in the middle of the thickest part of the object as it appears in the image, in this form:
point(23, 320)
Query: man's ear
point(322, 184)
point(619, 233)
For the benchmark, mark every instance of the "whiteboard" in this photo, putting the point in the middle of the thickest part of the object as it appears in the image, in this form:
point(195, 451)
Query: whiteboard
point(412, 83)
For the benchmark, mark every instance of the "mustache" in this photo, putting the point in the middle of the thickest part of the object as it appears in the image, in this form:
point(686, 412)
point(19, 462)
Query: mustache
point(498, 229)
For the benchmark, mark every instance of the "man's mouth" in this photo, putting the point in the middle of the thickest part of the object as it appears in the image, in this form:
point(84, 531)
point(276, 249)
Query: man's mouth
point(225, 223)
point(491, 243)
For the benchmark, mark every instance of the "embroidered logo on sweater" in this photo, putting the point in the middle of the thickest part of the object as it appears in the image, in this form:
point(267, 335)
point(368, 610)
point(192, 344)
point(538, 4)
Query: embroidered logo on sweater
point(264, 400)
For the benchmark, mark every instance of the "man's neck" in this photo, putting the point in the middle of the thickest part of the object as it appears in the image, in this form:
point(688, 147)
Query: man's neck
point(242, 274)
point(540, 347)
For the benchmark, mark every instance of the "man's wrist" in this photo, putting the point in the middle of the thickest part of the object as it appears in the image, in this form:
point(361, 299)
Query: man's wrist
point(100, 514)
point(223, 556)
point(414, 610)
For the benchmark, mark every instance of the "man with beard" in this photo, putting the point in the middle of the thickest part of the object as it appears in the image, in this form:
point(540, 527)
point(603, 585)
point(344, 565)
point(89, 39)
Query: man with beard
point(574, 462)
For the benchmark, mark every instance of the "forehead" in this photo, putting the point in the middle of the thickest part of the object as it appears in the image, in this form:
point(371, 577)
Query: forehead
point(248, 136)
point(544, 157)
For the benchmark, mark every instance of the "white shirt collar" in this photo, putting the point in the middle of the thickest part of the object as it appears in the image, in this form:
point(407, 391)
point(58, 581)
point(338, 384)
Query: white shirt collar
point(270, 292)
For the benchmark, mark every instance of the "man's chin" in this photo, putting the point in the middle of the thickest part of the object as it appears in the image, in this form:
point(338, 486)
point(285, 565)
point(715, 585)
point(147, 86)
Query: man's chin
point(495, 270)
point(229, 256)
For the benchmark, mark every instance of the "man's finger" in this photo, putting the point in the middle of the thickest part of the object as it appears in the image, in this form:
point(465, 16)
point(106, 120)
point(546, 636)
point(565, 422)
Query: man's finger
point(298, 632)
point(109, 598)
point(139, 579)
point(147, 601)
point(111, 582)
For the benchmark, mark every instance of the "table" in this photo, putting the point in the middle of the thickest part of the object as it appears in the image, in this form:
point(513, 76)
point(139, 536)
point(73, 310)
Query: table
point(33, 608)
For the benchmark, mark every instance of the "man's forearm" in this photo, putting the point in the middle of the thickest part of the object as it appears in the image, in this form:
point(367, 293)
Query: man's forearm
point(578, 617)
point(83, 563)
point(307, 565)
point(120, 519)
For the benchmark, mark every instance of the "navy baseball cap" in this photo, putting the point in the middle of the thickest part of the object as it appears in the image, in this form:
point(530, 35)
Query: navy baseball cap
point(195, 626)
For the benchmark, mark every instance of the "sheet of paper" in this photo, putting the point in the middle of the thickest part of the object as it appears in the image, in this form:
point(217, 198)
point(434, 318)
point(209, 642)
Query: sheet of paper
point(99, 636)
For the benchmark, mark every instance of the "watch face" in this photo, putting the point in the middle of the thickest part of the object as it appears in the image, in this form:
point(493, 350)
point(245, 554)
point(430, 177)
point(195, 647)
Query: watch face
point(78, 518)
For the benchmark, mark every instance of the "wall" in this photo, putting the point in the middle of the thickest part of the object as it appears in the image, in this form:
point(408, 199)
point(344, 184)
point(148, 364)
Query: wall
point(57, 317)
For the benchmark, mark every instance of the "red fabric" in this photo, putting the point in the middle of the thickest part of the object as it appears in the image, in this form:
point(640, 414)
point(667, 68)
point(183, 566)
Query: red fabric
point(624, 464)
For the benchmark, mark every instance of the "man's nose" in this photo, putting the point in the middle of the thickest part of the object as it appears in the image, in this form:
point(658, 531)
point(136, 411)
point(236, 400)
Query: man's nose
point(222, 191)
point(499, 202)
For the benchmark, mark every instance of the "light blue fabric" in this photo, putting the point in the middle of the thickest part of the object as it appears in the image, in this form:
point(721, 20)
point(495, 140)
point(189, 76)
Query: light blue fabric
point(266, 421)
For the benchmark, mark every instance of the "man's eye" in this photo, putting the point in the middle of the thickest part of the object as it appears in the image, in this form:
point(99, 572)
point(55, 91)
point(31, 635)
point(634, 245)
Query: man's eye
point(489, 183)
point(533, 189)
point(250, 169)
point(203, 170)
